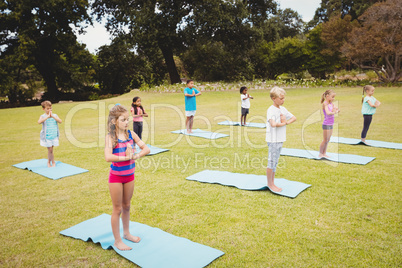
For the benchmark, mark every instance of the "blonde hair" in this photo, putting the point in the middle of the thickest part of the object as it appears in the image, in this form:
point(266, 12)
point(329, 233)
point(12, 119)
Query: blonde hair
point(112, 126)
point(46, 103)
point(276, 92)
point(365, 88)
point(325, 94)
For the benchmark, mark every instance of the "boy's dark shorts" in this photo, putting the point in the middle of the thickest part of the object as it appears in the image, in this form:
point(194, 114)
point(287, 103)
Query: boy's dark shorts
point(244, 111)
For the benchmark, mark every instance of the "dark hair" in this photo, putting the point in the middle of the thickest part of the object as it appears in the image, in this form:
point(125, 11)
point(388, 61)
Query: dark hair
point(242, 89)
point(135, 106)
point(189, 80)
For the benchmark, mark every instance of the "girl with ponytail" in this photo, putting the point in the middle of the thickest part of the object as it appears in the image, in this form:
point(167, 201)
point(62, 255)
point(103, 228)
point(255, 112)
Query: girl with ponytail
point(369, 107)
point(329, 110)
point(119, 149)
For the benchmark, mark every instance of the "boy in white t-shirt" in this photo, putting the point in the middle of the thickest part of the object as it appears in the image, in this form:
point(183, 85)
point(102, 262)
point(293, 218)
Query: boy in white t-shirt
point(277, 119)
point(245, 104)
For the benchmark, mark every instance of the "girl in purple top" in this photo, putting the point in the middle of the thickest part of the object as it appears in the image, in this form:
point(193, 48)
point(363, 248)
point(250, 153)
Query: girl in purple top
point(329, 110)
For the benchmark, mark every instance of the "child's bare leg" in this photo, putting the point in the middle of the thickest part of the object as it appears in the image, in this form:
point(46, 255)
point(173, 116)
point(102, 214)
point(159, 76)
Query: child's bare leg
point(270, 181)
point(324, 144)
point(128, 189)
point(241, 120)
point(116, 193)
point(245, 116)
point(191, 123)
point(50, 156)
point(188, 124)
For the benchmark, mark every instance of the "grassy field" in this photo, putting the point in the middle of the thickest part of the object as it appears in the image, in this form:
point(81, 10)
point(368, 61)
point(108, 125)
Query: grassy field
point(350, 217)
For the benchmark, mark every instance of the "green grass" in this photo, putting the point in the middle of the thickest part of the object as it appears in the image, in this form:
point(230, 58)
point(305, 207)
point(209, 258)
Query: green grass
point(350, 217)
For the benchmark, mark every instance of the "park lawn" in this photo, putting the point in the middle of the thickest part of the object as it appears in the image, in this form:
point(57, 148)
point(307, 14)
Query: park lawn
point(350, 217)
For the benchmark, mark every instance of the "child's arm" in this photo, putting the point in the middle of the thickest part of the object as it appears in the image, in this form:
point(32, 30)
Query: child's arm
point(110, 157)
point(137, 115)
point(58, 120)
point(375, 105)
point(275, 124)
point(189, 95)
point(198, 93)
point(144, 148)
point(291, 120)
point(145, 114)
point(327, 110)
point(43, 119)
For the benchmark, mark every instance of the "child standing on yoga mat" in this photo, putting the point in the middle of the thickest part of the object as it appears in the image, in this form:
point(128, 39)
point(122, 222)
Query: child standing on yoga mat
point(277, 119)
point(191, 106)
point(138, 113)
point(119, 149)
point(49, 135)
point(245, 104)
point(329, 110)
point(369, 107)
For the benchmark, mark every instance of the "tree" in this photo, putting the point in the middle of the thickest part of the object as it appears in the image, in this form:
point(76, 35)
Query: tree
point(43, 31)
point(219, 36)
point(323, 45)
point(286, 23)
point(377, 43)
point(150, 23)
point(285, 56)
point(318, 63)
point(330, 8)
point(120, 69)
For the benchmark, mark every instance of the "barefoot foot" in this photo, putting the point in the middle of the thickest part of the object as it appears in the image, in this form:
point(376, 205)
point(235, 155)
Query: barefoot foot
point(121, 246)
point(275, 188)
point(132, 238)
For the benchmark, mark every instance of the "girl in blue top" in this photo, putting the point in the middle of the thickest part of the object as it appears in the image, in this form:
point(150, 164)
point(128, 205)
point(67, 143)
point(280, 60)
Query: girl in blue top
point(49, 135)
point(368, 109)
point(191, 106)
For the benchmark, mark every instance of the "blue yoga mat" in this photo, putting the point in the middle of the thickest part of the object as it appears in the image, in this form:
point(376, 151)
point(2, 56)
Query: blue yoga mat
point(249, 182)
point(153, 149)
point(381, 144)
point(61, 170)
point(156, 248)
point(340, 158)
point(251, 124)
point(202, 134)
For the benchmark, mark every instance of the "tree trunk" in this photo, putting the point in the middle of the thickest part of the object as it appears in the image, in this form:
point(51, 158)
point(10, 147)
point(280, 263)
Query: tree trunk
point(171, 65)
point(43, 63)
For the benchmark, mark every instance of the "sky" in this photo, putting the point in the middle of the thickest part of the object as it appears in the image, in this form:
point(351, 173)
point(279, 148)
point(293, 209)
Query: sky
point(97, 36)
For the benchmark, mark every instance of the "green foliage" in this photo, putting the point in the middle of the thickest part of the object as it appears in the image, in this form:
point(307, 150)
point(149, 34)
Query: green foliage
point(42, 35)
point(330, 8)
point(212, 62)
point(274, 59)
point(285, 23)
point(119, 69)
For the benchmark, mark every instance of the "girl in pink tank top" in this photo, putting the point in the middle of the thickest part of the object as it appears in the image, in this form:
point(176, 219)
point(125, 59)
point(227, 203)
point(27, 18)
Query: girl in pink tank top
point(329, 110)
point(119, 149)
point(138, 113)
